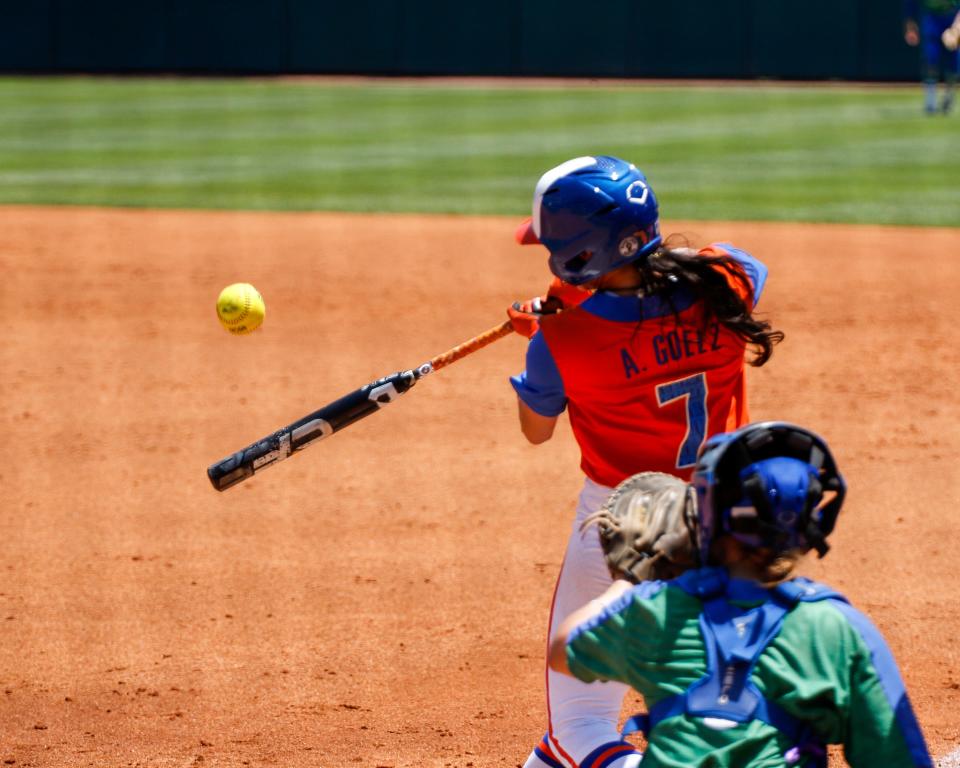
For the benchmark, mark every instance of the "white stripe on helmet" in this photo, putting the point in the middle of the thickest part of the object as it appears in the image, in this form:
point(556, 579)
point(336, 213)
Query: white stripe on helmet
point(547, 180)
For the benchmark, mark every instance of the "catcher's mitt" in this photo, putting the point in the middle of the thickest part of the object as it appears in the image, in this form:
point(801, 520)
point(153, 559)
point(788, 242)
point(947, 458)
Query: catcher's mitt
point(645, 527)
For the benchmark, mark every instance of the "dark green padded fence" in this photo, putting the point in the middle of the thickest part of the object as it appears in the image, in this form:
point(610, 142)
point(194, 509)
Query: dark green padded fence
point(788, 39)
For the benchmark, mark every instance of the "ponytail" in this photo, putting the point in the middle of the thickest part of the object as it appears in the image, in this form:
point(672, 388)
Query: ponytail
point(711, 280)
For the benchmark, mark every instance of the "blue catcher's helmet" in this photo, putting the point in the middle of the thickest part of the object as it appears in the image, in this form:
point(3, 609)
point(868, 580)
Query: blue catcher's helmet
point(770, 484)
point(593, 214)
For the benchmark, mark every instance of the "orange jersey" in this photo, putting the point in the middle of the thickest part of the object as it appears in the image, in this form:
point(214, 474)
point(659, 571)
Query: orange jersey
point(644, 386)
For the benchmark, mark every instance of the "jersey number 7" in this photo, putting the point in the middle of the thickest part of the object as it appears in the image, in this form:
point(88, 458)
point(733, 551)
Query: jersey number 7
point(694, 389)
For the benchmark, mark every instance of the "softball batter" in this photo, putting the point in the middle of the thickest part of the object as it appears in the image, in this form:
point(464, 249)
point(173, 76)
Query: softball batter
point(739, 664)
point(649, 365)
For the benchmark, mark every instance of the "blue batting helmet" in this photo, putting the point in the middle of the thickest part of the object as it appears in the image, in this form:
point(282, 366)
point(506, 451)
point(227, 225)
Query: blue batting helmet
point(594, 214)
point(770, 484)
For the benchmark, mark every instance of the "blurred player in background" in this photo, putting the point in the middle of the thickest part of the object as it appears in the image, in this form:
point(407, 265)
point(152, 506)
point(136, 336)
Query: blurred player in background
point(927, 25)
point(740, 664)
point(645, 345)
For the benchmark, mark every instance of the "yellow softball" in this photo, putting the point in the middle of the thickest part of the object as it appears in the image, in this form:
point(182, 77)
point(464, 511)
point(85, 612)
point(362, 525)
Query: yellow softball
point(240, 308)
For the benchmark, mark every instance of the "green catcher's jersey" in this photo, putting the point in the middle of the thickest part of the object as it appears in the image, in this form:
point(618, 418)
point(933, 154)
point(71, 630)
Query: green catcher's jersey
point(935, 7)
point(828, 666)
point(941, 6)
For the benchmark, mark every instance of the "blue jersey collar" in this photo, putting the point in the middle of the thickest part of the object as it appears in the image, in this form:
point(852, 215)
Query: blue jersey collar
point(633, 309)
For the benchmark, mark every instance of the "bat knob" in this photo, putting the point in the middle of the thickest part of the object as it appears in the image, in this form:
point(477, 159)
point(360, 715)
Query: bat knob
point(229, 472)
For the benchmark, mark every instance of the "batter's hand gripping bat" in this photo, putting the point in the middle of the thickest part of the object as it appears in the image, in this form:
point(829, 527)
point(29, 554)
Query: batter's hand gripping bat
point(339, 414)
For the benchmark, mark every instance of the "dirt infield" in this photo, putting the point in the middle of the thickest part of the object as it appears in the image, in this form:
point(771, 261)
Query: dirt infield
point(381, 599)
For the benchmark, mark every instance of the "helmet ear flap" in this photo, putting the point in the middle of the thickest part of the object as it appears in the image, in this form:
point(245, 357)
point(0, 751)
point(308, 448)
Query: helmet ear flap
point(576, 263)
point(814, 529)
point(828, 481)
point(756, 490)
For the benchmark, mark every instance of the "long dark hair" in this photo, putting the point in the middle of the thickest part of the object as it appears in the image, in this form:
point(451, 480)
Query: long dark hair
point(708, 278)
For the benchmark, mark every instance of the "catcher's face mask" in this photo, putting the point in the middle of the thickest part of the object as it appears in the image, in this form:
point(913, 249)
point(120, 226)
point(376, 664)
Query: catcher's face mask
point(770, 484)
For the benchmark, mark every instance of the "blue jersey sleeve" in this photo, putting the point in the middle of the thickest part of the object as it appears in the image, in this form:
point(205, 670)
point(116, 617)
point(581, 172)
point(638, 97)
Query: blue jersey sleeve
point(756, 270)
point(883, 669)
point(540, 386)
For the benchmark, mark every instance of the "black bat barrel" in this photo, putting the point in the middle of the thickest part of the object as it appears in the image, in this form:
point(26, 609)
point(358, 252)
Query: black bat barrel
point(316, 426)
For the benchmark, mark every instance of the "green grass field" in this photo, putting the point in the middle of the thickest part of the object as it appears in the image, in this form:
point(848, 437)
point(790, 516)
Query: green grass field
point(761, 152)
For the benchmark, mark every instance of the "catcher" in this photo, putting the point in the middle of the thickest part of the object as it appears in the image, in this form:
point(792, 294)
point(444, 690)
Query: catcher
point(739, 664)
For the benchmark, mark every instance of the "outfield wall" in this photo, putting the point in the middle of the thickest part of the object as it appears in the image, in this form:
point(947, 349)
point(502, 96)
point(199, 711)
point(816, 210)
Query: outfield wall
point(790, 39)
